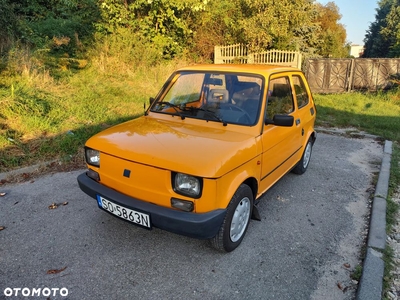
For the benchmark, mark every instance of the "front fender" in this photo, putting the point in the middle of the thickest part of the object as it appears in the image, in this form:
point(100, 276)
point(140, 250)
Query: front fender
point(229, 183)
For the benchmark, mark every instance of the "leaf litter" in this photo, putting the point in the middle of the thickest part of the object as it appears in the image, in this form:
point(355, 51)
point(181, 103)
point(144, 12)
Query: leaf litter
point(55, 271)
point(56, 205)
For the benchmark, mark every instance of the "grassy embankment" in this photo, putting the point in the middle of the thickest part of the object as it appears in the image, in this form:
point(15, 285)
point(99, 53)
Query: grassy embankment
point(42, 118)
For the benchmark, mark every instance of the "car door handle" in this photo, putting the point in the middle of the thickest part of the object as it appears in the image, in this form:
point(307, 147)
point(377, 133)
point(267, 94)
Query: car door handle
point(297, 121)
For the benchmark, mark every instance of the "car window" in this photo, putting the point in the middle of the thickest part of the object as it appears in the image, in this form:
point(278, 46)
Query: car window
point(280, 99)
point(186, 89)
point(300, 91)
point(220, 97)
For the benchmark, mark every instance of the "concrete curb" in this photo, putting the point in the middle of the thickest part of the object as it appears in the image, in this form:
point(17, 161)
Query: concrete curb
point(371, 283)
point(30, 169)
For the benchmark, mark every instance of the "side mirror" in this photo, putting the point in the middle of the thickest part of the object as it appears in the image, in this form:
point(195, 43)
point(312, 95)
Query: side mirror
point(151, 100)
point(281, 120)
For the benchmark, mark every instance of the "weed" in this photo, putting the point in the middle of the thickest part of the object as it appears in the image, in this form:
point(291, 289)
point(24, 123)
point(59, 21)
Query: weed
point(392, 215)
point(357, 272)
point(388, 255)
point(391, 211)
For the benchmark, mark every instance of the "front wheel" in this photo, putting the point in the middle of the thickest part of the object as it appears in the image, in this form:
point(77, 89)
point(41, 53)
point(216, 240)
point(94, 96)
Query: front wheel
point(302, 165)
point(236, 220)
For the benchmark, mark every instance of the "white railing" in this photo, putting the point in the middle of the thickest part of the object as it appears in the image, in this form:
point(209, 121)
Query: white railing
point(239, 53)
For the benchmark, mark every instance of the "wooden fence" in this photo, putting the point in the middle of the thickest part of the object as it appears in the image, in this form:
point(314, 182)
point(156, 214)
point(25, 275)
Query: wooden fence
point(240, 53)
point(343, 75)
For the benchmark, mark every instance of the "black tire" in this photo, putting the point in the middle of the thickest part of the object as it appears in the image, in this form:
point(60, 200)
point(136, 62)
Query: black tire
point(238, 213)
point(302, 165)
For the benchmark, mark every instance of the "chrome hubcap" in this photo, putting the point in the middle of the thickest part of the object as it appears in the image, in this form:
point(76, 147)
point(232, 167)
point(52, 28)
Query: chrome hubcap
point(240, 219)
point(307, 155)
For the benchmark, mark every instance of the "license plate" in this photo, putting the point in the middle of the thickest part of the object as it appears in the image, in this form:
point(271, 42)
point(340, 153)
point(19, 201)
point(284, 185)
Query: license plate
point(124, 213)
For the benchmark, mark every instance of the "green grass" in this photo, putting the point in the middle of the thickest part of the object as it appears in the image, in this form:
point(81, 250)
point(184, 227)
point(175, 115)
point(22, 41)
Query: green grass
point(391, 214)
point(377, 113)
point(394, 180)
point(43, 119)
point(357, 272)
point(45, 122)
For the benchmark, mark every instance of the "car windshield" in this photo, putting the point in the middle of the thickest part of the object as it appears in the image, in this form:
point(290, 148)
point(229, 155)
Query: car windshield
point(221, 97)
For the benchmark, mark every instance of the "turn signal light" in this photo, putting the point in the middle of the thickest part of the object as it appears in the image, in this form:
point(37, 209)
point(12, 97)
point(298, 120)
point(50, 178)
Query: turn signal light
point(182, 204)
point(93, 174)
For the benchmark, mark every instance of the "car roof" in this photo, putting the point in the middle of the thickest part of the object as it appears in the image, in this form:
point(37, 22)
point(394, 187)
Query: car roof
point(241, 68)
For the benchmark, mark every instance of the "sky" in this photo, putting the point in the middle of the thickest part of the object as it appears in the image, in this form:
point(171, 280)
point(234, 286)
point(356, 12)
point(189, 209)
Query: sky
point(357, 15)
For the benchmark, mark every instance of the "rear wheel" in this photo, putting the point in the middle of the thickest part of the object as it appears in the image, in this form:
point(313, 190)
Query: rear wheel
point(302, 165)
point(236, 220)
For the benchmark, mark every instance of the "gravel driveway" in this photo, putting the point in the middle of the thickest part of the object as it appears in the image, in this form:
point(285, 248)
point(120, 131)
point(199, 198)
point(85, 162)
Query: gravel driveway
point(308, 242)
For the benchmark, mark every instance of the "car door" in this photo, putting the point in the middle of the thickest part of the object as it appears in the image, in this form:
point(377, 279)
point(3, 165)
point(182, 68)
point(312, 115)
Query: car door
point(280, 144)
point(305, 106)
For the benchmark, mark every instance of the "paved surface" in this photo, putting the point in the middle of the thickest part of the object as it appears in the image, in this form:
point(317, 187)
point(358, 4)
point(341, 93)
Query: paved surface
point(305, 247)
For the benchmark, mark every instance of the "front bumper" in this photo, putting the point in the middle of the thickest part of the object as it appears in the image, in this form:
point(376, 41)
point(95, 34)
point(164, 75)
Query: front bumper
point(201, 226)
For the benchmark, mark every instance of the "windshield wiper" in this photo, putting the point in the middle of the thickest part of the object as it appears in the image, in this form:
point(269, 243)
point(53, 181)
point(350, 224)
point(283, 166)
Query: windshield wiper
point(212, 113)
point(177, 108)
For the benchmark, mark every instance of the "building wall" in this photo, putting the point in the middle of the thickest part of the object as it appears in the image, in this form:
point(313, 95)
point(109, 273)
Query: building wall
point(356, 50)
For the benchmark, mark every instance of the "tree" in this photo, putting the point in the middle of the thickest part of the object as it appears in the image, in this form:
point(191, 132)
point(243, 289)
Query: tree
point(8, 25)
point(164, 23)
point(301, 25)
point(283, 24)
point(38, 22)
point(217, 24)
point(391, 32)
point(383, 36)
point(332, 35)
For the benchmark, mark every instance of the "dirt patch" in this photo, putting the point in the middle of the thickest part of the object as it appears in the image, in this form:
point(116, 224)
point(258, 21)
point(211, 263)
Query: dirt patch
point(30, 173)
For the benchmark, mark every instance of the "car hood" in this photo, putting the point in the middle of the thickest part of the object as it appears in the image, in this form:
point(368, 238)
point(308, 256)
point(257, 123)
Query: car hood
point(177, 146)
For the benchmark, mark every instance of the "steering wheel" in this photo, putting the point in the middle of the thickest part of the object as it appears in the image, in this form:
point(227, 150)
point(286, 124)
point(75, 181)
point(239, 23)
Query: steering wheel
point(237, 108)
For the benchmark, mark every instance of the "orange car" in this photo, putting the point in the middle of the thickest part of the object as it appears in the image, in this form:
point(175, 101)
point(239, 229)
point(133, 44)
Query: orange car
point(214, 139)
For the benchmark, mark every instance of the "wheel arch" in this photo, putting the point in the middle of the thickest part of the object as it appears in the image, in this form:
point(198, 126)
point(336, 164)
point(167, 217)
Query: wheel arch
point(313, 136)
point(253, 184)
point(229, 183)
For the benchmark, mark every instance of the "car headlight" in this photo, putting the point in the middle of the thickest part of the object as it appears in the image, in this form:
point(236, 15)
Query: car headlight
point(187, 185)
point(92, 157)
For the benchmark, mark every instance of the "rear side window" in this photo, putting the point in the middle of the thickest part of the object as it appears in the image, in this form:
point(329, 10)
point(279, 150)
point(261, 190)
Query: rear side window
point(300, 91)
point(280, 99)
